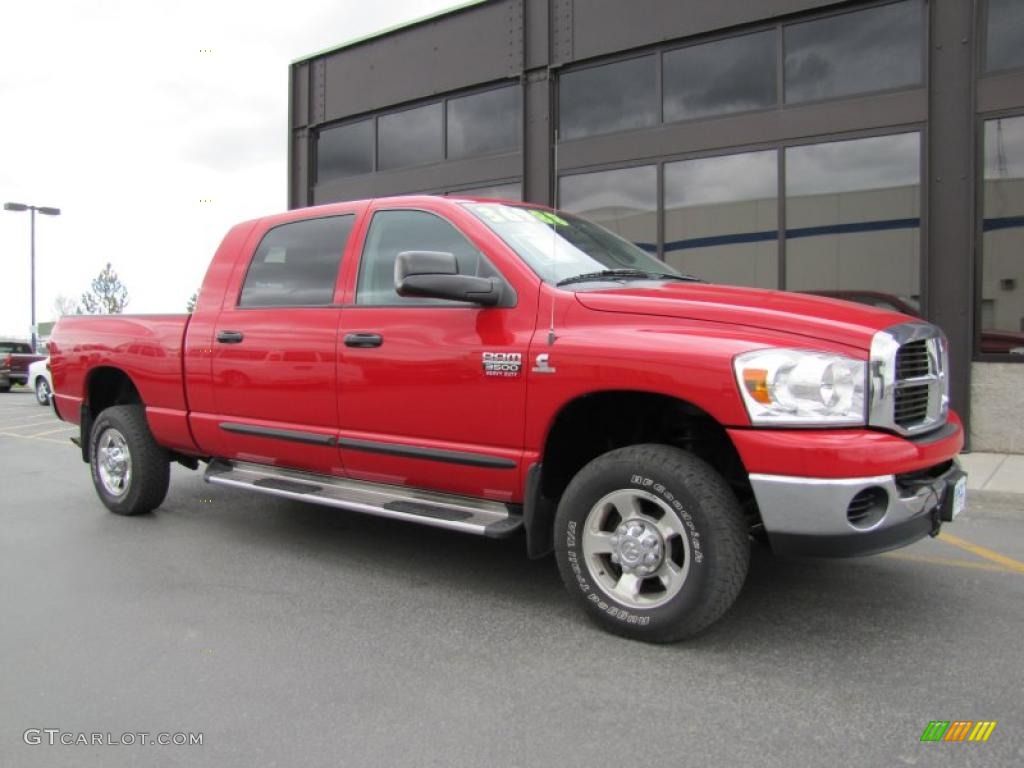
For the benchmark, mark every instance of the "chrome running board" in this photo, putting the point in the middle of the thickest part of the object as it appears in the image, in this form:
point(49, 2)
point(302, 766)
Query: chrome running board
point(440, 510)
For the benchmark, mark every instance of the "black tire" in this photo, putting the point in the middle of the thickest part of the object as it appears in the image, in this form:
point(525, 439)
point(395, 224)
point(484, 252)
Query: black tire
point(709, 547)
point(144, 486)
point(43, 393)
point(5, 388)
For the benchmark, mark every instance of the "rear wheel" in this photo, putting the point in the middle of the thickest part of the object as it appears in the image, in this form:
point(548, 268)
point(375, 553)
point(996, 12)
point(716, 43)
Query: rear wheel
point(43, 393)
point(651, 542)
point(5, 387)
point(130, 471)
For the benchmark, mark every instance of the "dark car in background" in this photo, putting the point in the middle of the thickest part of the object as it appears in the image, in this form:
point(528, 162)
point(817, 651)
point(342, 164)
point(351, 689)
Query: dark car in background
point(992, 341)
point(15, 358)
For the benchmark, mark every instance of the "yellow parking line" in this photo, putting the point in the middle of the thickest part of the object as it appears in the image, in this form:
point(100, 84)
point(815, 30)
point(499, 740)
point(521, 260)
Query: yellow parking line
point(946, 561)
point(1006, 562)
point(62, 428)
point(40, 439)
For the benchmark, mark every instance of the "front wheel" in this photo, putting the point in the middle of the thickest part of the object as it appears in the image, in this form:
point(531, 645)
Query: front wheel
point(130, 471)
point(651, 541)
point(43, 393)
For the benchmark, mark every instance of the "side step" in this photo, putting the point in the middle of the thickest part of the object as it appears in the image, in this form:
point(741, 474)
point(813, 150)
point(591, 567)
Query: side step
point(459, 513)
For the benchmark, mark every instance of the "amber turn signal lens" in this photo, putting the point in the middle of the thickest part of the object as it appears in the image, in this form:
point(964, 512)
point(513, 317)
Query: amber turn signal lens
point(756, 382)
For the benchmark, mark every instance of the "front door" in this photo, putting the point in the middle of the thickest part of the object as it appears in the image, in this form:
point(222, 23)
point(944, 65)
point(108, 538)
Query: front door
point(431, 393)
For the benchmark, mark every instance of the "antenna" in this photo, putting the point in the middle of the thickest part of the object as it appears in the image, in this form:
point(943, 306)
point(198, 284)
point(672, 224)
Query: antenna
point(554, 245)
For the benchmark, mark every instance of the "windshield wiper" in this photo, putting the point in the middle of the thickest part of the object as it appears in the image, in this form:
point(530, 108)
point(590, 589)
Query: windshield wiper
point(618, 274)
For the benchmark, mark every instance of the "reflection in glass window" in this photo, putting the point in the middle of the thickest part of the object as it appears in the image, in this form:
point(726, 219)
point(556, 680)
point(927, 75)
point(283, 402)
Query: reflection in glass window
point(1004, 35)
point(346, 150)
point(1002, 270)
point(721, 218)
point(511, 191)
point(624, 201)
point(411, 137)
point(853, 216)
point(296, 264)
point(870, 50)
point(484, 123)
point(391, 233)
point(612, 97)
point(743, 77)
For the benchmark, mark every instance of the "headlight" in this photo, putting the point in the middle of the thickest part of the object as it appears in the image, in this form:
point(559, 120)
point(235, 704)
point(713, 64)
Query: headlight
point(797, 387)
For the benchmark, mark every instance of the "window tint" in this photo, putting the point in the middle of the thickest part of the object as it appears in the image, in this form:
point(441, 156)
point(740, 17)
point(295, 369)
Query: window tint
point(720, 77)
point(1002, 274)
point(296, 264)
point(346, 150)
point(853, 216)
point(411, 137)
point(624, 201)
point(1004, 35)
point(391, 233)
point(721, 218)
point(870, 50)
point(611, 97)
point(484, 123)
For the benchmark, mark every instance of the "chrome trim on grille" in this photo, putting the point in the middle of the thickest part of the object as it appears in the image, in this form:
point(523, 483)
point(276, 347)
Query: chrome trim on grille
point(920, 402)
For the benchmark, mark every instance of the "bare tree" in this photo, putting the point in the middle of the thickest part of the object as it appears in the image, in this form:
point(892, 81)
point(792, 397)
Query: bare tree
point(107, 296)
point(190, 307)
point(64, 305)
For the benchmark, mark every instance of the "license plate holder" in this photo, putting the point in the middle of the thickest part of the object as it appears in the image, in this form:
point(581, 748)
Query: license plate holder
point(954, 501)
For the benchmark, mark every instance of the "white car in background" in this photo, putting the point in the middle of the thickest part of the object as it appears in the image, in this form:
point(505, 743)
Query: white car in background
point(39, 379)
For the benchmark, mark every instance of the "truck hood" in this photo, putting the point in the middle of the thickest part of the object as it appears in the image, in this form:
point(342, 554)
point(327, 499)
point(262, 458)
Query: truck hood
point(815, 317)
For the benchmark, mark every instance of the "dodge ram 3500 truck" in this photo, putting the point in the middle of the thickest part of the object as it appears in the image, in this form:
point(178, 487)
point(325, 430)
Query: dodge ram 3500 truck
point(500, 369)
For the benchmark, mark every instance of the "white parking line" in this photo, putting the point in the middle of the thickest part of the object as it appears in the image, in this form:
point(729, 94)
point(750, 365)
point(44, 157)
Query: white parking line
point(63, 428)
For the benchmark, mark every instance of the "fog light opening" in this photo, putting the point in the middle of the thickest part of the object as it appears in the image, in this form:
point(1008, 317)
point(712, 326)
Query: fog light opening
point(867, 508)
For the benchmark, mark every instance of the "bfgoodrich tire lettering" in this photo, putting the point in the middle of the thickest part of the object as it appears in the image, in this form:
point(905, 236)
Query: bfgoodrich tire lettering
point(130, 471)
point(651, 542)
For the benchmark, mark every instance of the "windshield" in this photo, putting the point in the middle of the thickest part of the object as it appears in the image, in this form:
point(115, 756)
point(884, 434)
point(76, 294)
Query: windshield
point(8, 347)
point(559, 246)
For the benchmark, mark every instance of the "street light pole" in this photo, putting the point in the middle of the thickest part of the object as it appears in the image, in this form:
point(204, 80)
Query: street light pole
point(47, 211)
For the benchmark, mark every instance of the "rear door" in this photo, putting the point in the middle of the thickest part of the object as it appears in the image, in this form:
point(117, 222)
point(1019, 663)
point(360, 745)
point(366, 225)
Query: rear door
point(275, 348)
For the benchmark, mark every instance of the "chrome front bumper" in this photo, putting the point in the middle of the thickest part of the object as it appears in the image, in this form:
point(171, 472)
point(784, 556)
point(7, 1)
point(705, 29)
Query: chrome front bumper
point(812, 516)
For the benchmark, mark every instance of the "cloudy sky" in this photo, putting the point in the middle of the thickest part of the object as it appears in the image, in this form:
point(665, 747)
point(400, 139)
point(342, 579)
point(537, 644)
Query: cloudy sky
point(112, 112)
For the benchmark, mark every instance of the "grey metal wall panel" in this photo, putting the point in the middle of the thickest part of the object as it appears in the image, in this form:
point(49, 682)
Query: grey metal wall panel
point(473, 46)
point(537, 186)
point(949, 280)
point(426, 178)
point(299, 95)
point(536, 18)
point(605, 26)
point(1001, 92)
point(728, 133)
point(298, 163)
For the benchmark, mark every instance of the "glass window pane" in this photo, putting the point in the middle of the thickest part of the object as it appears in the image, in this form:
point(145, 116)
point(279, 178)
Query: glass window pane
point(511, 191)
point(744, 77)
point(411, 137)
point(853, 218)
point(1002, 270)
point(624, 201)
point(721, 218)
point(392, 232)
point(346, 150)
point(870, 50)
point(1004, 35)
point(296, 264)
point(484, 123)
point(613, 97)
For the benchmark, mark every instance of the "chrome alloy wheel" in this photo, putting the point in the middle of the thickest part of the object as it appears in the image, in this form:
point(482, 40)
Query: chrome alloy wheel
point(114, 462)
point(636, 548)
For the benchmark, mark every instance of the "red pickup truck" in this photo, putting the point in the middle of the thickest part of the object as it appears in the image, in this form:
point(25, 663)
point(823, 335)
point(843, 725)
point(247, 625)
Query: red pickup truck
point(15, 358)
point(506, 369)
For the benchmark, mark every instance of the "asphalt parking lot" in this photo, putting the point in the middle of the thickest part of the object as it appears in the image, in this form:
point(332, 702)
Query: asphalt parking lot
point(289, 634)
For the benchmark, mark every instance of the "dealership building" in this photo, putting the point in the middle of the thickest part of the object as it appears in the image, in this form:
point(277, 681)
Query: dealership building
point(868, 150)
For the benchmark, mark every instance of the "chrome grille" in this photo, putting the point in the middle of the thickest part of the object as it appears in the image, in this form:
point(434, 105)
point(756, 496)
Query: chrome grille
point(909, 387)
